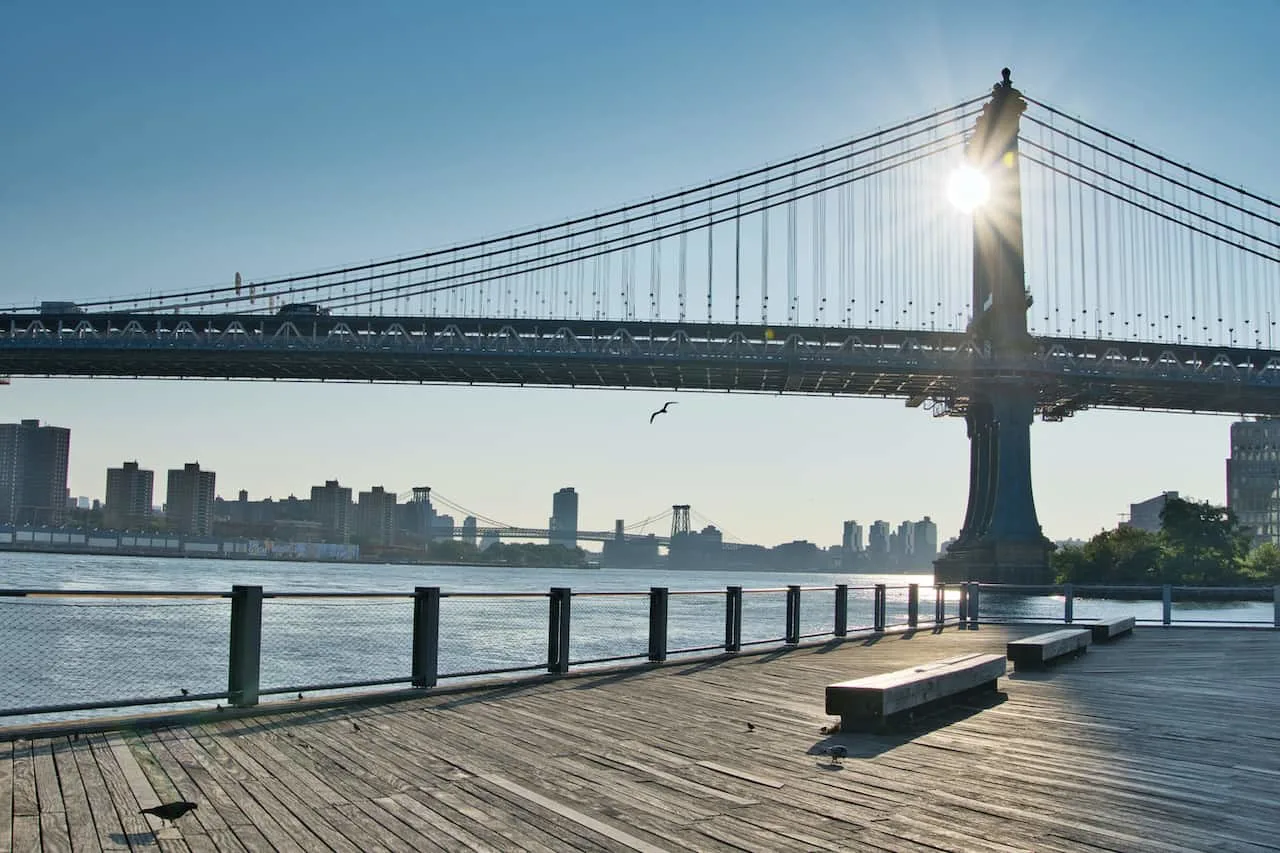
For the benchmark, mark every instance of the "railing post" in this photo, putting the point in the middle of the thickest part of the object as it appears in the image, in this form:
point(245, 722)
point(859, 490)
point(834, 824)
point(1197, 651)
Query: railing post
point(733, 619)
point(879, 607)
point(426, 636)
point(1275, 596)
point(939, 604)
point(793, 615)
point(1167, 595)
point(658, 598)
point(913, 605)
point(964, 603)
point(1069, 605)
point(974, 599)
point(245, 659)
point(558, 631)
point(842, 609)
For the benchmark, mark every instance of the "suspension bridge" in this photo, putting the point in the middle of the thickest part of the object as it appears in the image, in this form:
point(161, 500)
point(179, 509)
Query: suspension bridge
point(1070, 268)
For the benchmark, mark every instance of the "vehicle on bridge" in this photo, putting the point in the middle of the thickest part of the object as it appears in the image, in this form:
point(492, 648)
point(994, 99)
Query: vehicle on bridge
point(47, 308)
point(303, 309)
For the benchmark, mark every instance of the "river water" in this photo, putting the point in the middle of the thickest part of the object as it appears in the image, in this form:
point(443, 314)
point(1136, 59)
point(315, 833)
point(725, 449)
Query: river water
point(68, 649)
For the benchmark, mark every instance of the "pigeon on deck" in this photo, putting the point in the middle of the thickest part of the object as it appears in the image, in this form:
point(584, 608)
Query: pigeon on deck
point(170, 812)
point(836, 753)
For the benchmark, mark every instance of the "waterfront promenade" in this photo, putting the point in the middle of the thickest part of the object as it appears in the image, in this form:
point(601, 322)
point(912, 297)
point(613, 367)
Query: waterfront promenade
point(1164, 741)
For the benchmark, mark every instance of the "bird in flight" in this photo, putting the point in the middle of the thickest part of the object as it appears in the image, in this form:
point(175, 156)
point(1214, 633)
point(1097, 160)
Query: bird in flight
point(170, 812)
point(661, 411)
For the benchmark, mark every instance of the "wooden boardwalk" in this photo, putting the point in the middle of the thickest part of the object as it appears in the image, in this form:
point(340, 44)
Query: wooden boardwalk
point(1165, 741)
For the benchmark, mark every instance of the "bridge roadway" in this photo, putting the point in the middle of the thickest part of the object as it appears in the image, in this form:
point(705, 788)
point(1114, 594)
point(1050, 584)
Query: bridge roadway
point(545, 533)
point(1162, 743)
point(919, 366)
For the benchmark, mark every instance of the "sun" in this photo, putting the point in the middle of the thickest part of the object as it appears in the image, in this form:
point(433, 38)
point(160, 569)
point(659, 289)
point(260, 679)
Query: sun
point(967, 188)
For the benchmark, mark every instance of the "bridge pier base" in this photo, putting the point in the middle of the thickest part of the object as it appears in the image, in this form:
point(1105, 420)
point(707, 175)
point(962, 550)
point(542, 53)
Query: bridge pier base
point(1001, 541)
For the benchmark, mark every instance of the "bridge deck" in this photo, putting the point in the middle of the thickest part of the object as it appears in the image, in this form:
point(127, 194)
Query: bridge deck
point(1162, 742)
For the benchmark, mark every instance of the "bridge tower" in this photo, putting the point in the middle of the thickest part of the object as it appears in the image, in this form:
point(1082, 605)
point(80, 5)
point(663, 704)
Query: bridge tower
point(679, 519)
point(1001, 540)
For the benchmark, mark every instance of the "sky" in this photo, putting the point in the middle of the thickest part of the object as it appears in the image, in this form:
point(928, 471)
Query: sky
point(152, 146)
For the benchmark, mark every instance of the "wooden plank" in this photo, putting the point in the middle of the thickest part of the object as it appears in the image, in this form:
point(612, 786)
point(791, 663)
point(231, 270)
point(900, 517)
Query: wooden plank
point(6, 795)
point(124, 795)
point(624, 838)
point(106, 821)
point(74, 798)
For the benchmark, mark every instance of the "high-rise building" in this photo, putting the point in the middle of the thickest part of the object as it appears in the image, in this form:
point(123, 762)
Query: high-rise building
point(331, 506)
point(130, 490)
point(878, 538)
point(905, 539)
point(33, 473)
point(564, 518)
point(469, 530)
point(1253, 476)
point(926, 539)
point(851, 541)
point(376, 516)
point(189, 500)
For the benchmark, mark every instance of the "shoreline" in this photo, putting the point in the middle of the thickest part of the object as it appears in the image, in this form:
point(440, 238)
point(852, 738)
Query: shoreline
point(154, 553)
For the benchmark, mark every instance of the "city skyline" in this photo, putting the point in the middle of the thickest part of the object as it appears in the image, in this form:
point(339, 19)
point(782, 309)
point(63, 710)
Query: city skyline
point(549, 115)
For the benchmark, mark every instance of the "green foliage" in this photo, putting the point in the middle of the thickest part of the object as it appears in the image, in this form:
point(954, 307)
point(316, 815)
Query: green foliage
point(1198, 543)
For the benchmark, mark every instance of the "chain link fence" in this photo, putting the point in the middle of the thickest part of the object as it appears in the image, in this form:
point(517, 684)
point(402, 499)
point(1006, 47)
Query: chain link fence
point(331, 641)
point(695, 621)
point(485, 634)
point(764, 616)
point(80, 653)
point(608, 627)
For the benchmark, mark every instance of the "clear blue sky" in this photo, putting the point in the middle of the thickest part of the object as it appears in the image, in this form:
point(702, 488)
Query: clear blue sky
point(151, 145)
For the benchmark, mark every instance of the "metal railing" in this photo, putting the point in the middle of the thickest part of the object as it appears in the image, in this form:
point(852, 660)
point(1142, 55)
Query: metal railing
point(1168, 605)
point(73, 652)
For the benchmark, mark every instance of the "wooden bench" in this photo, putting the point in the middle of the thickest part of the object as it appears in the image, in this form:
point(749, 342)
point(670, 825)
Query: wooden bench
point(1108, 629)
point(871, 703)
point(1039, 650)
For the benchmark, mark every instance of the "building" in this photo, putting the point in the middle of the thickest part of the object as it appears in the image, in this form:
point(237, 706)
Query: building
point(925, 539)
point(878, 538)
point(376, 516)
point(130, 490)
point(331, 506)
point(563, 527)
point(1253, 476)
point(904, 541)
point(469, 530)
point(33, 473)
point(1145, 515)
point(851, 541)
point(189, 500)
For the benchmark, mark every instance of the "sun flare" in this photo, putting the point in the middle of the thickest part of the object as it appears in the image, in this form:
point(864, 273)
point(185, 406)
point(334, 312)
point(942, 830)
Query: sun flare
point(968, 188)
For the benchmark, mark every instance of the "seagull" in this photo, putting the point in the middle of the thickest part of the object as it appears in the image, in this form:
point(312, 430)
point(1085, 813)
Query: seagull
point(836, 753)
point(661, 411)
point(170, 812)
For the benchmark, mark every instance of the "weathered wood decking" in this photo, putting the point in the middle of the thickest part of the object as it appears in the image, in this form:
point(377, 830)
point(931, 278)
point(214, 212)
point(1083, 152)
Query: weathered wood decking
point(1167, 741)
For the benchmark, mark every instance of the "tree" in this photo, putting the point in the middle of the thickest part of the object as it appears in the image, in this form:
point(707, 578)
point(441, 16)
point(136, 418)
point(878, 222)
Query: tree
point(1123, 555)
point(1263, 564)
point(1205, 543)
